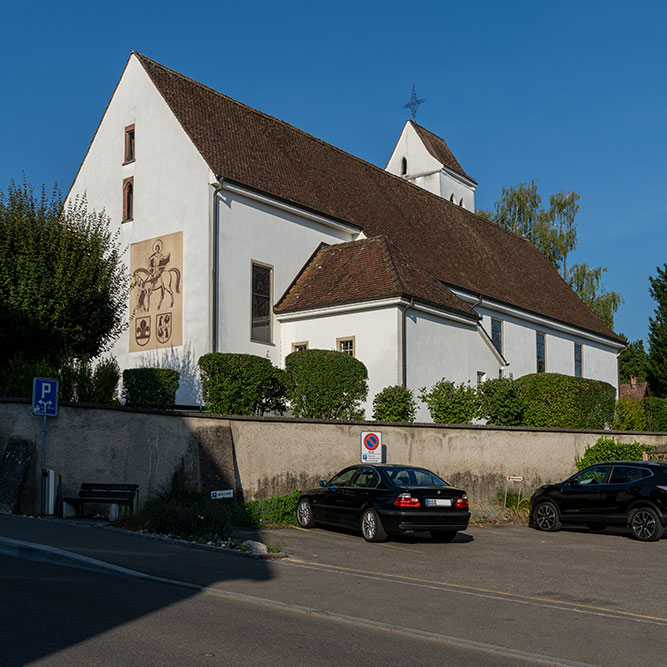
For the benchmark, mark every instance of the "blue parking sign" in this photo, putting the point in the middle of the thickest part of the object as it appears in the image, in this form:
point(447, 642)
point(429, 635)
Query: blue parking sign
point(45, 397)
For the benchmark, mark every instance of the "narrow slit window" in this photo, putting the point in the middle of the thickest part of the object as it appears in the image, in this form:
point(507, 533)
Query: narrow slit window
point(541, 353)
point(128, 199)
point(129, 144)
point(497, 334)
point(404, 166)
point(260, 326)
point(578, 361)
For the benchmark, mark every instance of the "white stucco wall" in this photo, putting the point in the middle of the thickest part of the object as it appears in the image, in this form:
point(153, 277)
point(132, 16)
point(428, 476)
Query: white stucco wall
point(254, 231)
point(171, 194)
point(439, 349)
point(519, 349)
point(376, 336)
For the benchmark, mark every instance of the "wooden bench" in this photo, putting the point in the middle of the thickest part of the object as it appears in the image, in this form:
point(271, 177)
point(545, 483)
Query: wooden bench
point(116, 496)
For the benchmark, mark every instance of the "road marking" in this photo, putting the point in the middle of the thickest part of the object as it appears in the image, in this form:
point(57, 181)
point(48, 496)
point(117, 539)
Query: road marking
point(591, 610)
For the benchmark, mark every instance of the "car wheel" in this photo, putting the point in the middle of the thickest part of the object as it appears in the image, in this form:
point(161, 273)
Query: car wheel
point(443, 535)
point(371, 527)
point(546, 517)
point(645, 524)
point(304, 513)
point(596, 526)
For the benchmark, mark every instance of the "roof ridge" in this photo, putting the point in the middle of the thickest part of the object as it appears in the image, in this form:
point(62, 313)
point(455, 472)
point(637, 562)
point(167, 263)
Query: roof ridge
point(389, 258)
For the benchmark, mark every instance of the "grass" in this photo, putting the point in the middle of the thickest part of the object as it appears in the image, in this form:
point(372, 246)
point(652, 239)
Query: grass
point(503, 508)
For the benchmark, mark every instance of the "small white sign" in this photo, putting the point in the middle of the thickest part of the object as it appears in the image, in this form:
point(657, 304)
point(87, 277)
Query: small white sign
point(371, 447)
point(514, 478)
point(225, 493)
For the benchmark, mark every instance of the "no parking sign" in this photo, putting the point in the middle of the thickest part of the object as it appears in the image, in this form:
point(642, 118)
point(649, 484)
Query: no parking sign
point(371, 447)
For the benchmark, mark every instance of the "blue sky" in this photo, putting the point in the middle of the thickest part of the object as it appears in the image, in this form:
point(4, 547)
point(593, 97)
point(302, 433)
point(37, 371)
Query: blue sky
point(571, 93)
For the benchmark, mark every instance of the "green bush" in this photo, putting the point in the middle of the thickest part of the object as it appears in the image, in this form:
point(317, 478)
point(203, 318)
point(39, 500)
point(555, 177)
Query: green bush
point(79, 381)
point(655, 410)
point(451, 404)
point(241, 384)
point(553, 400)
point(277, 509)
point(394, 404)
point(150, 388)
point(608, 449)
point(500, 402)
point(184, 513)
point(324, 384)
point(630, 416)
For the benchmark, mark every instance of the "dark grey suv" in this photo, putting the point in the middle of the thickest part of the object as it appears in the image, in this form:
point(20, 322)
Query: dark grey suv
point(632, 493)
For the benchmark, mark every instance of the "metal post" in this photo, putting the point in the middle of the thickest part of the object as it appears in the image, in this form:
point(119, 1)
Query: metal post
point(42, 496)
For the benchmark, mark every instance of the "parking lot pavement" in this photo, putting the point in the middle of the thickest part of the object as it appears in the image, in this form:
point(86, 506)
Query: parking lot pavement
point(606, 569)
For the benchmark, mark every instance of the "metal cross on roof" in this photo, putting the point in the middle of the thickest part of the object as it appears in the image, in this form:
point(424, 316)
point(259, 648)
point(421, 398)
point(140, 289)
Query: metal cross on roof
point(414, 103)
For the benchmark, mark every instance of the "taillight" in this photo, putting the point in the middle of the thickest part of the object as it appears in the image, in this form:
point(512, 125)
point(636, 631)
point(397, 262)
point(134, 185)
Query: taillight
point(462, 503)
point(662, 487)
point(406, 500)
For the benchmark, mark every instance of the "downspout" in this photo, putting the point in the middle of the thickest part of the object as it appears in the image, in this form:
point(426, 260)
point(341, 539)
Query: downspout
point(215, 259)
point(404, 347)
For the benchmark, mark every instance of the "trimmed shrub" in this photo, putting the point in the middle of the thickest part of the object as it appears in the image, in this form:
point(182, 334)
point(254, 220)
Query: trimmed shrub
point(394, 404)
point(500, 402)
point(16, 378)
point(608, 449)
point(630, 416)
point(655, 410)
point(277, 509)
point(553, 400)
point(241, 384)
point(325, 384)
point(451, 404)
point(150, 388)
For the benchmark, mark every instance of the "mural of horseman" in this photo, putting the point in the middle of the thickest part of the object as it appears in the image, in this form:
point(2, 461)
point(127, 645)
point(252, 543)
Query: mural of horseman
point(157, 277)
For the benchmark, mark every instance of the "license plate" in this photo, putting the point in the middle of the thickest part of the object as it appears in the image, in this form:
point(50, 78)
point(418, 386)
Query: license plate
point(438, 502)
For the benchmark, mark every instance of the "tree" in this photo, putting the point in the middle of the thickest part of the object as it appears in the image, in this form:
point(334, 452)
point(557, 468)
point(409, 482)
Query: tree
point(632, 361)
point(656, 364)
point(63, 289)
point(553, 232)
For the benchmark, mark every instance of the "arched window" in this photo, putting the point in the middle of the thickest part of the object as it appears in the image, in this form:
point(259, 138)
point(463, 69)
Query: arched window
point(451, 199)
point(404, 166)
point(461, 202)
point(128, 198)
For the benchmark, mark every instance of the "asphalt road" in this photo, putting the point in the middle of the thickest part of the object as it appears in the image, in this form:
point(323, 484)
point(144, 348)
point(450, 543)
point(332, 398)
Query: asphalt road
point(495, 596)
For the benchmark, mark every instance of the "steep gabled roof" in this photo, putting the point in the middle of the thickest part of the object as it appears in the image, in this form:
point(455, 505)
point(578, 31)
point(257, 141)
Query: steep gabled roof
point(364, 270)
point(453, 244)
point(439, 149)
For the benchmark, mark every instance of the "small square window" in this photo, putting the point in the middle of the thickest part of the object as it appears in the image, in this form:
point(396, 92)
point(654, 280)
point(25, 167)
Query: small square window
point(128, 199)
point(481, 378)
point(298, 347)
point(129, 144)
point(345, 345)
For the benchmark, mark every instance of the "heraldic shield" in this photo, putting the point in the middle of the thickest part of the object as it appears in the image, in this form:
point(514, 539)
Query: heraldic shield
point(142, 330)
point(164, 324)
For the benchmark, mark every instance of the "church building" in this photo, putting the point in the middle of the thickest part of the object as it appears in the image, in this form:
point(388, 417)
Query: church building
point(245, 234)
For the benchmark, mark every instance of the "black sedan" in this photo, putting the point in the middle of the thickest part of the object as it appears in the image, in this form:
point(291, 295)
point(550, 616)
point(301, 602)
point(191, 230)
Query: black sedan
point(383, 500)
point(632, 493)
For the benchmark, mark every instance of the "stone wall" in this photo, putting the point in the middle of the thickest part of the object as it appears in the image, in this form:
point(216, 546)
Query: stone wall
point(260, 457)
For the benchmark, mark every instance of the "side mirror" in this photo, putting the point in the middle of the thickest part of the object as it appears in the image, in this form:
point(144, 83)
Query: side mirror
point(323, 482)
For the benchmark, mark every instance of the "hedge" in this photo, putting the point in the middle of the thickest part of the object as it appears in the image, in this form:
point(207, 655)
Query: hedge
point(325, 384)
point(451, 404)
point(608, 449)
point(500, 402)
point(394, 404)
point(553, 400)
point(150, 388)
point(241, 384)
point(655, 410)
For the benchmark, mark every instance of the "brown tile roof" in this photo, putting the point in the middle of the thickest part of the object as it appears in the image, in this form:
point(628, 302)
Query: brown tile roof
point(363, 270)
point(634, 392)
point(438, 148)
point(453, 244)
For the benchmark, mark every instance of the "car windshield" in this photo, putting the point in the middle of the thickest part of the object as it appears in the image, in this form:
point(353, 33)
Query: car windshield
point(413, 477)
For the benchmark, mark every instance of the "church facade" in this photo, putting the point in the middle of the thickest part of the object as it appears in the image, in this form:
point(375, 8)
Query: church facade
point(245, 234)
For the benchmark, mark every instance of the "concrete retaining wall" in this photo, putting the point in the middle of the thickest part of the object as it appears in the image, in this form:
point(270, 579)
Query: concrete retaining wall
point(260, 457)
